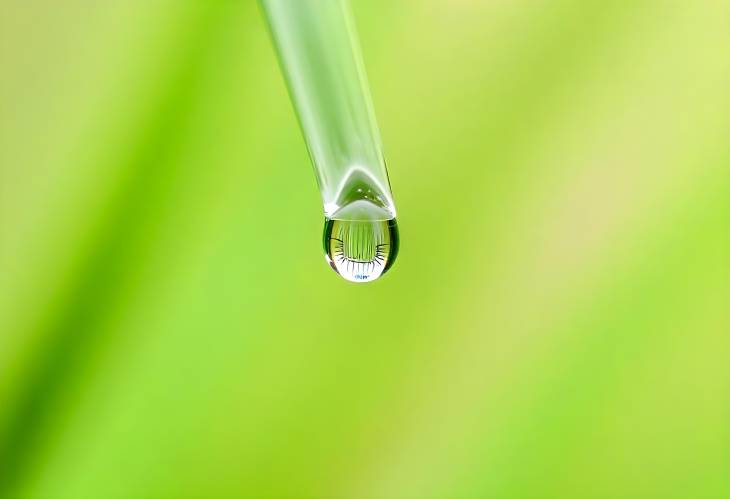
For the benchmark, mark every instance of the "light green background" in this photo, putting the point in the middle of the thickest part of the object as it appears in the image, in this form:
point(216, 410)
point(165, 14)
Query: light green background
point(557, 324)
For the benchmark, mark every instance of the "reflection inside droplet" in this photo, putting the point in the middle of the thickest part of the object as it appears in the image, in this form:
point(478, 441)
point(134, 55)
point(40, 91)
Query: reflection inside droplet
point(361, 250)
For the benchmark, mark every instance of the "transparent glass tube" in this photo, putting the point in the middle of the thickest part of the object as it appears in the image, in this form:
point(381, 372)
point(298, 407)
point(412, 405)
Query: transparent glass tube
point(320, 57)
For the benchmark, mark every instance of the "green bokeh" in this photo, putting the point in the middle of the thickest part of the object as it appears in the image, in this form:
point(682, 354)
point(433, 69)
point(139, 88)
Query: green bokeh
point(556, 325)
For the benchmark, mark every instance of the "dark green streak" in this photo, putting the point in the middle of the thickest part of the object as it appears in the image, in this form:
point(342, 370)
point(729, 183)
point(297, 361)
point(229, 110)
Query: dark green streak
point(75, 329)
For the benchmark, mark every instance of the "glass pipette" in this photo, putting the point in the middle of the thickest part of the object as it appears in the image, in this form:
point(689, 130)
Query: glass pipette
point(320, 57)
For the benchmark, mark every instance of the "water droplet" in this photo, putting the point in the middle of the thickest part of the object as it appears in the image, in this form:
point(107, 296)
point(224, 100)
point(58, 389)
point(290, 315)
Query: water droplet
point(361, 250)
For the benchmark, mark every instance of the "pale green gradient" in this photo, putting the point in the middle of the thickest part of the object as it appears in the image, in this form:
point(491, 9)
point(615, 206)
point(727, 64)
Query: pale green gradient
point(557, 322)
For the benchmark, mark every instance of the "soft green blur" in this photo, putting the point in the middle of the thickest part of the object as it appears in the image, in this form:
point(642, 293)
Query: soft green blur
point(556, 326)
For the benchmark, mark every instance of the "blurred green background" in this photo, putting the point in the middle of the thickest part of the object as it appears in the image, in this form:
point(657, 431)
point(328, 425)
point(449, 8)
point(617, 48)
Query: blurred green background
point(556, 325)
